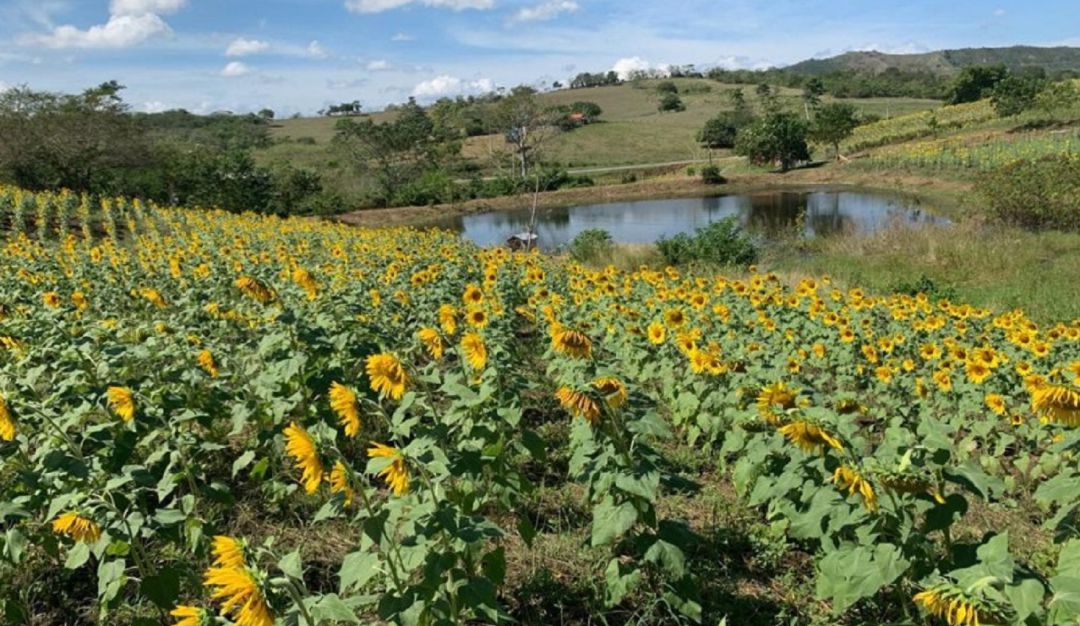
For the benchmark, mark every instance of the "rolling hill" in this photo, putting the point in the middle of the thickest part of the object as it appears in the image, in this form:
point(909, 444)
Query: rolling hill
point(946, 62)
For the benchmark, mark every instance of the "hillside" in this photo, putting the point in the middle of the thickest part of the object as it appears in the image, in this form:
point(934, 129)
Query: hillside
point(946, 62)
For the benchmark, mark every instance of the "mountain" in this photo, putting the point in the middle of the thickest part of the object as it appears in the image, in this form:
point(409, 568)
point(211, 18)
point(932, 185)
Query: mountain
point(946, 62)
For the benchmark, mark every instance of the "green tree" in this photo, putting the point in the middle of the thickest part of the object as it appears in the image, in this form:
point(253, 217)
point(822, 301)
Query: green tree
point(976, 82)
point(720, 131)
point(777, 138)
point(393, 153)
point(1015, 94)
point(671, 102)
point(666, 86)
point(524, 123)
point(811, 95)
point(833, 123)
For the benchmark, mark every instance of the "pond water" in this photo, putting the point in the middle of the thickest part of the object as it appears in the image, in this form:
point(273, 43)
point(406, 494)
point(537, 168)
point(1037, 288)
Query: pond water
point(769, 213)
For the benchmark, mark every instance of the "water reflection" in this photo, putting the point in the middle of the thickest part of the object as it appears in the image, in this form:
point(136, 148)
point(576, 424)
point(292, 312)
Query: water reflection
point(768, 213)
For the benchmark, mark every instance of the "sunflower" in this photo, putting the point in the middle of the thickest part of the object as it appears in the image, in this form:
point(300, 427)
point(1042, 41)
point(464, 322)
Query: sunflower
point(572, 343)
point(122, 403)
point(657, 333)
point(1057, 403)
point(189, 616)
point(432, 342)
point(995, 403)
point(977, 371)
point(51, 299)
point(943, 380)
point(306, 281)
point(301, 447)
point(448, 319)
point(477, 318)
point(930, 352)
point(206, 362)
point(773, 397)
point(395, 473)
point(849, 479)
point(387, 375)
point(343, 402)
point(240, 594)
point(255, 290)
point(809, 437)
point(475, 351)
point(339, 482)
point(578, 404)
point(955, 606)
point(473, 295)
point(79, 528)
point(228, 552)
point(675, 317)
point(612, 389)
point(7, 423)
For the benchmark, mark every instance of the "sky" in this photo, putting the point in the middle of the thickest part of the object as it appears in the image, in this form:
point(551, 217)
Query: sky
point(297, 56)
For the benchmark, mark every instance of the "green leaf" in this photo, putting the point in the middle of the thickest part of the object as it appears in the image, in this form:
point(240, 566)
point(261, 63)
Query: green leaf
point(110, 579)
point(331, 608)
point(611, 521)
point(856, 572)
point(242, 461)
point(619, 584)
point(357, 569)
point(291, 566)
point(668, 556)
point(974, 478)
point(163, 588)
point(1026, 598)
point(77, 556)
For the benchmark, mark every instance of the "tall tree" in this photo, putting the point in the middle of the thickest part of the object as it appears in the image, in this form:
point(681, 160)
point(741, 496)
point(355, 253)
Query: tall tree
point(811, 95)
point(778, 138)
point(524, 123)
point(834, 123)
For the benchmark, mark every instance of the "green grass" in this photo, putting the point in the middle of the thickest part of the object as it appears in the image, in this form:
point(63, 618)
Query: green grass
point(632, 130)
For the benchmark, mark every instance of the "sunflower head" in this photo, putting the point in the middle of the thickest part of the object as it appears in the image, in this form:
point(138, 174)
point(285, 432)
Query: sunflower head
point(773, 400)
point(612, 389)
point(301, 447)
point(344, 404)
point(122, 402)
point(1057, 403)
point(472, 345)
point(572, 343)
point(387, 374)
point(76, 526)
point(578, 404)
point(394, 471)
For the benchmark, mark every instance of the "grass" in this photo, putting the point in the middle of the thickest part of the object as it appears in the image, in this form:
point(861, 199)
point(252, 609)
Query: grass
point(632, 130)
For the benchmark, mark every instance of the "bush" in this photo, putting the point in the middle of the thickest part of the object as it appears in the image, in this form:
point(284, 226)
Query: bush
point(1039, 193)
point(710, 175)
point(719, 243)
point(671, 102)
point(591, 244)
point(667, 87)
point(925, 285)
point(778, 138)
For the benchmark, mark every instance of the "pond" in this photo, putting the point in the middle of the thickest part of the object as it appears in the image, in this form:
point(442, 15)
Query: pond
point(768, 213)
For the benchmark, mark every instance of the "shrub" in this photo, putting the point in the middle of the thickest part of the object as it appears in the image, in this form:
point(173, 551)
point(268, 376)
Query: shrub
point(710, 175)
point(591, 244)
point(1039, 193)
point(667, 87)
point(776, 138)
point(719, 243)
point(671, 102)
point(926, 285)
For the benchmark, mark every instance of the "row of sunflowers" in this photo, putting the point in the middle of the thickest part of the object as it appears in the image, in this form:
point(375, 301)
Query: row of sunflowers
point(163, 370)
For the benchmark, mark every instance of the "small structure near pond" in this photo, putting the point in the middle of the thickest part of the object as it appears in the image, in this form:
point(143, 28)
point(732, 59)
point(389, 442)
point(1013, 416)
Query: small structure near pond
point(522, 241)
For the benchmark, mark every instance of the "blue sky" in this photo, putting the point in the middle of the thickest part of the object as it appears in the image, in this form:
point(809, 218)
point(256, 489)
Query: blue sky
point(299, 55)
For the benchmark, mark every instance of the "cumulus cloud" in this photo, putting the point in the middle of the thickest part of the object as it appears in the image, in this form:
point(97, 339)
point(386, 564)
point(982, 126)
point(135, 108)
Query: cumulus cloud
point(447, 85)
point(999, 12)
point(316, 51)
point(378, 6)
point(244, 47)
point(626, 66)
point(402, 37)
point(234, 69)
point(143, 7)
point(154, 106)
point(378, 65)
point(546, 11)
point(130, 23)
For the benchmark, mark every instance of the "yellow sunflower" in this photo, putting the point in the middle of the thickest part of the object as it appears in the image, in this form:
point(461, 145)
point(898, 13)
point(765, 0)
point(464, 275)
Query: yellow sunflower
point(79, 528)
point(809, 437)
point(578, 404)
point(850, 480)
point(656, 333)
point(387, 375)
point(612, 389)
point(995, 403)
point(344, 404)
point(207, 363)
point(1057, 403)
point(188, 616)
point(396, 474)
point(475, 351)
point(301, 447)
point(572, 343)
point(122, 403)
point(7, 422)
point(432, 342)
point(775, 399)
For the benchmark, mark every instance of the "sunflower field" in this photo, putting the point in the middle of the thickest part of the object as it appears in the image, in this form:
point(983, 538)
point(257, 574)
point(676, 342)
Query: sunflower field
point(192, 401)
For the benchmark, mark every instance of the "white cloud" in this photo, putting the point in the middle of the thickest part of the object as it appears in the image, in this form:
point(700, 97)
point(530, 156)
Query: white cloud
point(378, 65)
point(626, 66)
point(378, 6)
point(234, 69)
point(4, 86)
point(447, 85)
point(130, 23)
point(144, 7)
point(402, 37)
point(316, 51)
point(243, 47)
point(1000, 12)
point(546, 11)
point(121, 31)
point(155, 106)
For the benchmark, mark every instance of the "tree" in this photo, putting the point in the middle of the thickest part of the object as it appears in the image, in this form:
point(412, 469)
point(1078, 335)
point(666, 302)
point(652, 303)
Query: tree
point(738, 102)
point(720, 131)
point(834, 123)
point(266, 114)
point(394, 153)
point(666, 86)
point(671, 102)
point(776, 138)
point(976, 82)
point(1014, 94)
point(811, 95)
point(524, 123)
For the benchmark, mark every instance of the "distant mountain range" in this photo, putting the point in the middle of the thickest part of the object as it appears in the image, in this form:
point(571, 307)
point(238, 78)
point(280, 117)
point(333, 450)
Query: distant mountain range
point(946, 62)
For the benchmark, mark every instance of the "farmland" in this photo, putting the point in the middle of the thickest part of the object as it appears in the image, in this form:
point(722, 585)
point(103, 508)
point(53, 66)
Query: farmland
point(208, 414)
